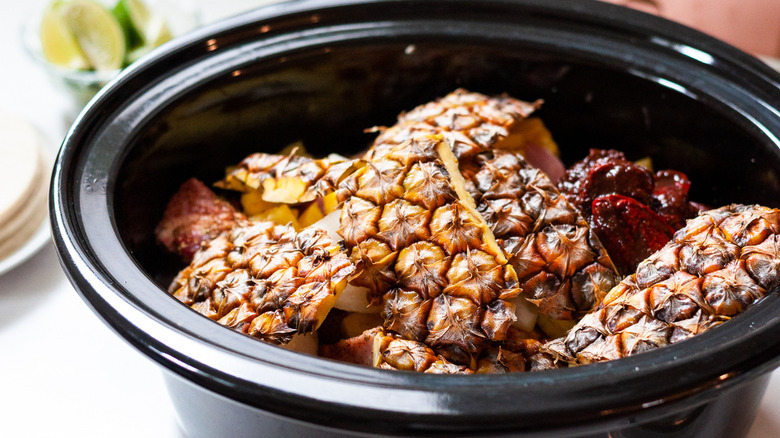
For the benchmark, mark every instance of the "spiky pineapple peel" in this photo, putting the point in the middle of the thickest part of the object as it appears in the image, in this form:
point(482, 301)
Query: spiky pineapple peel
point(472, 123)
point(288, 178)
point(530, 220)
point(713, 269)
point(265, 280)
point(425, 252)
point(459, 119)
point(448, 293)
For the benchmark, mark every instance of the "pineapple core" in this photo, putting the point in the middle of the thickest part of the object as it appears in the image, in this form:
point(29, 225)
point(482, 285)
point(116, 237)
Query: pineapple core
point(459, 184)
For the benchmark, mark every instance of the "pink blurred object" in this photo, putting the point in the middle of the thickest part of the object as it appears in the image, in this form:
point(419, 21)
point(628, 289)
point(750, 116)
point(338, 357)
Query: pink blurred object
point(545, 161)
point(751, 25)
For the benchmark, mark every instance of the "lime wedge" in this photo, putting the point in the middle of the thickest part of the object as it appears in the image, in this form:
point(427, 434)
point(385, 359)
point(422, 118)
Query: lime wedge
point(143, 27)
point(97, 32)
point(162, 35)
point(58, 43)
point(132, 37)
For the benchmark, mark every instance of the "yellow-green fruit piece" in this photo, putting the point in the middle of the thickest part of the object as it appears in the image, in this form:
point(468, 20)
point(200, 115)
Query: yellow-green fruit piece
point(142, 26)
point(96, 32)
point(59, 44)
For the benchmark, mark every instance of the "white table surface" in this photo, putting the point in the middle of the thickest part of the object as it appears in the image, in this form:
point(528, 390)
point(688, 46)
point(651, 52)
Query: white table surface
point(63, 373)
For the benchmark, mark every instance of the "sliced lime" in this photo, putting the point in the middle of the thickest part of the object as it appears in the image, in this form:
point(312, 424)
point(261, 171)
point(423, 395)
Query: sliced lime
point(144, 28)
point(59, 44)
point(132, 37)
point(97, 32)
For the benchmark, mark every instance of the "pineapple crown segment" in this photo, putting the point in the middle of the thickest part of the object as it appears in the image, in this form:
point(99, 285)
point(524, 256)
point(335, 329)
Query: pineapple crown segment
point(714, 268)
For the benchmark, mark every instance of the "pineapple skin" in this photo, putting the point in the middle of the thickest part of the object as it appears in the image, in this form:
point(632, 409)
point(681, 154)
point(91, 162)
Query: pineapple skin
point(562, 267)
point(288, 179)
point(471, 122)
point(714, 268)
point(265, 280)
point(392, 352)
point(378, 348)
point(520, 352)
point(424, 252)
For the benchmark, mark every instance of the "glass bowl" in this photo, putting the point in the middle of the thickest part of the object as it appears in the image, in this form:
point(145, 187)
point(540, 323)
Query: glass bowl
point(181, 16)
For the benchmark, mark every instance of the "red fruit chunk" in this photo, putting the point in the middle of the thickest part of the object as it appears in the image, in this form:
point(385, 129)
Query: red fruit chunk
point(359, 349)
point(619, 177)
point(194, 214)
point(569, 185)
point(629, 230)
point(670, 198)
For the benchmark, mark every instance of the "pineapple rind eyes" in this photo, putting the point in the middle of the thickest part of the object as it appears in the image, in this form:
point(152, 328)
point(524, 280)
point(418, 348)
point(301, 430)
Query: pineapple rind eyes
point(267, 281)
point(416, 219)
point(426, 224)
point(428, 185)
point(405, 312)
point(394, 353)
point(547, 241)
point(714, 268)
point(763, 262)
point(403, 223)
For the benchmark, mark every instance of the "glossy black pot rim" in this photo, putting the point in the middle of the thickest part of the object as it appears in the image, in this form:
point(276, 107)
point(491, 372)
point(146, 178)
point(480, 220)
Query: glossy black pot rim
point(338, 394)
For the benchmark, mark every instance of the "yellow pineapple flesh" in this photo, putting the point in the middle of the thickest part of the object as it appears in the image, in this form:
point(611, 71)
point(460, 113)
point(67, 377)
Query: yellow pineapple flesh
point(288, 179)
point(713, 269)
point(280, 214)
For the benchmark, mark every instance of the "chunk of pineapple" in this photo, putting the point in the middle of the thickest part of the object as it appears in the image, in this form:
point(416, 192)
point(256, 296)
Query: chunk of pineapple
point(253, 203)
point(356, 323)
point(531, 130)
point(286, 189)
point(318, 209)
point(328, 203)
point(554, 328)
point(310, 215)
point(281, 214)
point(645, 162)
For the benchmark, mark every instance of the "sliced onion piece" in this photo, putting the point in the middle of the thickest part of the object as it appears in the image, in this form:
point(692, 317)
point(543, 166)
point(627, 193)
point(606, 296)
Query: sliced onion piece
point(355, 299)
point(545, 161)
point(526, 314)
point(330, 224)
point(303, 343)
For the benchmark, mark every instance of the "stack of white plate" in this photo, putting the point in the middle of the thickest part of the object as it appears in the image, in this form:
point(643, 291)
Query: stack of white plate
point(24, 177)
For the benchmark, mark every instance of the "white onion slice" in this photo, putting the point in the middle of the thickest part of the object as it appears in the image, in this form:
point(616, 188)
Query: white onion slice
point(308, 343)
point(355, 299)
point(330, 224)
point(526, 314)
